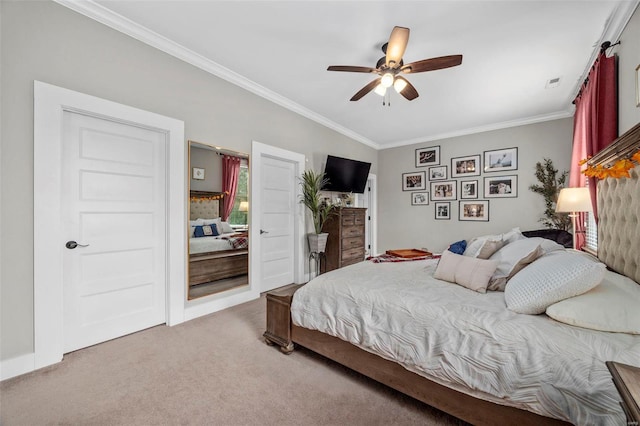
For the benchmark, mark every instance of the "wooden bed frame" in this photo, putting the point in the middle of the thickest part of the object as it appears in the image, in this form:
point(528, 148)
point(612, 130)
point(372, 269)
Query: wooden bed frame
point(217, 265)
point(281, 332)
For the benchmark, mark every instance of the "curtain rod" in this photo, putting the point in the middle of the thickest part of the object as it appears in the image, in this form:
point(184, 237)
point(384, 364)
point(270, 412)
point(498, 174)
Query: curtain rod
point(603, 48)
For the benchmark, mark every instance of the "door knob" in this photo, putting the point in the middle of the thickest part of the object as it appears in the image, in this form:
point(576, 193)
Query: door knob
point(263, 232)
point(72, 244)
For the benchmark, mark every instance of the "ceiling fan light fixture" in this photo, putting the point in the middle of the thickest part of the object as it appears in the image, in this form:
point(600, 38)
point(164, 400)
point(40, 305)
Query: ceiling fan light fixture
point(387, 80)
point(380, 90)
point(399, 85)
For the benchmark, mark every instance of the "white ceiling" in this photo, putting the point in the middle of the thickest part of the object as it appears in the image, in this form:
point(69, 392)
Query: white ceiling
point(281, 49)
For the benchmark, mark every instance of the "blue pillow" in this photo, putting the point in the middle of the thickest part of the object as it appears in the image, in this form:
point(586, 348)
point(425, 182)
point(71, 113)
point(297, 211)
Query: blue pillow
point(458, 247)
point(206, 231)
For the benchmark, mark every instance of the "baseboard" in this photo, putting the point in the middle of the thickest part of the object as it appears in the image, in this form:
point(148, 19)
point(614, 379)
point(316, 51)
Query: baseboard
point(13, 367)
point(209, 304)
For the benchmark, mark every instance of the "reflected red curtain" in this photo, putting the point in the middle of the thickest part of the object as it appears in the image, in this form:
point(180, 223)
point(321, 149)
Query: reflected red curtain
point(595, 126)
point(230, 173)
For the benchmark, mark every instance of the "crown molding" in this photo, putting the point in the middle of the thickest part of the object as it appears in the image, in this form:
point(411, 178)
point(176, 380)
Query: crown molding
point(126, 26)
point(495, 126)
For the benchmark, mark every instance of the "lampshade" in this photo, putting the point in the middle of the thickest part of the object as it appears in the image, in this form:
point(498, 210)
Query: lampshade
point(244, 206)
point(573, 200)
point(380, 90)
point(399, 85)
point(387, 80)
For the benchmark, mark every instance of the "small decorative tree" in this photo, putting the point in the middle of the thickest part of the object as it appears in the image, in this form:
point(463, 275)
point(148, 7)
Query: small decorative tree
point(312, 183)
point(550, 185)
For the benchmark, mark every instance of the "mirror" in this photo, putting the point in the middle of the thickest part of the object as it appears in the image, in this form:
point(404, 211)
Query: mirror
point(218, 230)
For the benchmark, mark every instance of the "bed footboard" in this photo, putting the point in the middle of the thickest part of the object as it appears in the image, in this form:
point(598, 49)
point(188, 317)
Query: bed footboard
point(279, 317)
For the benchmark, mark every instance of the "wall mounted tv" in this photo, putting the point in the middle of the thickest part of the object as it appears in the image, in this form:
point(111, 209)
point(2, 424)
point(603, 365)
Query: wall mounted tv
point(346, 175)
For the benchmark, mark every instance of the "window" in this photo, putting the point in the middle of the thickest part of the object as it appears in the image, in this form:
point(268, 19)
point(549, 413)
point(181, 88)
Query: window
point(238, 217)
point(591, 233)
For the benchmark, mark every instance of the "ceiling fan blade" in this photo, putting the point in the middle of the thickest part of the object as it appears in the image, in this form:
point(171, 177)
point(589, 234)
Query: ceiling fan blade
point(396, 46)
point(366, 89)
point(349, 68)
point(409, 92)
point(432, 64)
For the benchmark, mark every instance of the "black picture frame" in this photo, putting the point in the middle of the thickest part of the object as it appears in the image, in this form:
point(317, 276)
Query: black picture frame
point(473, 211)
point(442, 210)
point(419, 198)
point(469, 189)
point(429, 156)
point(501, 186)
point(500, 160)
point(414, 181)
point(438, 173)
point(442, 190)
point(466, 166)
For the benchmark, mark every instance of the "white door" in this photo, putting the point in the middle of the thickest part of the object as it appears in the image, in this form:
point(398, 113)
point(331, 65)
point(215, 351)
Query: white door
point(277, 199)
point(369, 202)
point(114, 202)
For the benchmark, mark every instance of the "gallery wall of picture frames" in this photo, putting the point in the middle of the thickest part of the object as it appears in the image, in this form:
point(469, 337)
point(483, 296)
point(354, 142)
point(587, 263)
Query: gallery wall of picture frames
point(443, 183)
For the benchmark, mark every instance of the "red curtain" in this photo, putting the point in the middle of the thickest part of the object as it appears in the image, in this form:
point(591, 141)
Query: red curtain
point(595, 126)
point(230, 173)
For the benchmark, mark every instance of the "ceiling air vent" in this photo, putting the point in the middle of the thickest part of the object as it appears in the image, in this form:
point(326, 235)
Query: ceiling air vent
point(551, 83)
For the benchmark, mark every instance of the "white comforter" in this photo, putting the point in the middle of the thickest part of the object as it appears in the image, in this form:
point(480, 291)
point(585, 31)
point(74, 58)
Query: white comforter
point(469, 341)
point(207, 244)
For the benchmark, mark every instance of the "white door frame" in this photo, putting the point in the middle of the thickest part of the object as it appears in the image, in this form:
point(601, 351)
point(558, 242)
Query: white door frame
point(257, 151)
point(49, 104)
point(372, 211)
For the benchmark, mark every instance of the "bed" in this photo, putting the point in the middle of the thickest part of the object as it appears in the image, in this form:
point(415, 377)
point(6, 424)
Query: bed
point(214, 257)
point(465, 352)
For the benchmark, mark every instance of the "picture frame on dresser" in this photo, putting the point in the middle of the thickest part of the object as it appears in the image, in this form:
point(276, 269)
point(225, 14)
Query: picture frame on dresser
point(465, 166)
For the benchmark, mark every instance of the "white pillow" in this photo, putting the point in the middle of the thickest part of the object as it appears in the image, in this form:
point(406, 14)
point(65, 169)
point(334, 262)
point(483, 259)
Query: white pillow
point(547, 245)
point(216, 220)
point(483, 247)
point(469, 272)
point(554, 277)
point(226, 228)
point(511, 259)
point(613, 305)
point(513, 235)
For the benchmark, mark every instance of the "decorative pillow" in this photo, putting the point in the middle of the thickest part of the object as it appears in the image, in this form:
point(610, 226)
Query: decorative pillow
point(469, 272)
point(225, 228)
point(550, 279)
point(613, 305)
point(484, 247)
point(511, 259)
point(513, 235)
point(458, 247)
point(192, 226)
point(206, 231)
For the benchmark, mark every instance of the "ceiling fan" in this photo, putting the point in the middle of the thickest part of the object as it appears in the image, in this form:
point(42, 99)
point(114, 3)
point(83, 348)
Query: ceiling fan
point(390, 67)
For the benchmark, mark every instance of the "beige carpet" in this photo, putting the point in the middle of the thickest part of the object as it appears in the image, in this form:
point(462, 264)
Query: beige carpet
point(214, 370)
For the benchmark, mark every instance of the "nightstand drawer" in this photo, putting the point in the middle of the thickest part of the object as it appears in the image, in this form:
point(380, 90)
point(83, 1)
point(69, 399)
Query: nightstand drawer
point(352, 231)
point(352, 242)
point(357, 252)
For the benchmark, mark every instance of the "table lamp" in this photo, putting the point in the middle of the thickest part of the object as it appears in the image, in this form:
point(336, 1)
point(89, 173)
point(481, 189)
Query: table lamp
point(574, 201)
point(244, 207)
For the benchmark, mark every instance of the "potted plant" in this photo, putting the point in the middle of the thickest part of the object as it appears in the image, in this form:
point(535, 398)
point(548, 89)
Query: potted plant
point(312, 183)
point(551, 184)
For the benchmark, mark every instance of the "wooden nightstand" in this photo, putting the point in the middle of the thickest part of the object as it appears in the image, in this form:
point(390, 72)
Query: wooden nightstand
point(279, 317)
point(627, 381)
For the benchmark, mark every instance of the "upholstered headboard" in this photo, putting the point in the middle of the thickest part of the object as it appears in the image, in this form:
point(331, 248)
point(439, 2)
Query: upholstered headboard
point(618, 227)
point(205, 205)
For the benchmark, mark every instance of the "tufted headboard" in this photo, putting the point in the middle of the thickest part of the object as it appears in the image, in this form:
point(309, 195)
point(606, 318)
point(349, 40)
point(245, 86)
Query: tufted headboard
point(205, 205)
point(618, 227)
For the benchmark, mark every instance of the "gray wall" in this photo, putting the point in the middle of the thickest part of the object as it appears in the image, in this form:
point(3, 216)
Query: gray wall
point(48, 42)
point(401, 225)
point(628, 59)
point(212, 164)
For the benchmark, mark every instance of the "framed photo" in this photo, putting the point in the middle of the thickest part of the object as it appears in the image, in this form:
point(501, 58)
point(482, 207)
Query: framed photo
point(638, 86)
point(438, 173)
point(468, 189)
point(197, 173)
point(465, 166)
point(501, 159)
point(443, 210)
point(419, 198)
point(428, 156)
point(445, 190)
point(501, 186)
point(414, 181)
point(475, 211)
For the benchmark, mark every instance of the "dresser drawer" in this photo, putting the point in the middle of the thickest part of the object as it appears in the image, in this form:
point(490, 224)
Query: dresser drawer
point(359, 219)
point(348, 219)
point(352, 242)
point(356, 252)
point(352, 231)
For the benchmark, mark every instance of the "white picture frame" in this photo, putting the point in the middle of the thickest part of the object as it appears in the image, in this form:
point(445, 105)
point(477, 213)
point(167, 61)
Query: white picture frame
point(465, 166)
point(443, 210)
point(501, 186)
point(197, 173)
point(500, 160)
point(414, 181)
point(444, 190)
point(419, 198)
point(474, 211)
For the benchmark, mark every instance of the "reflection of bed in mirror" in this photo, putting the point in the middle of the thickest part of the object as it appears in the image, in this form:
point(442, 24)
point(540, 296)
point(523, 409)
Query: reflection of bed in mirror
point(214, 257)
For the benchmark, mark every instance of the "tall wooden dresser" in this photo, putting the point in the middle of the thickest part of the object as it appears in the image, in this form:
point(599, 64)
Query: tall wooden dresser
point(345, 245)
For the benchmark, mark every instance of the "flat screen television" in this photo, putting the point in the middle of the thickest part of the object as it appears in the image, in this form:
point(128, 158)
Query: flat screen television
point(346, 175)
